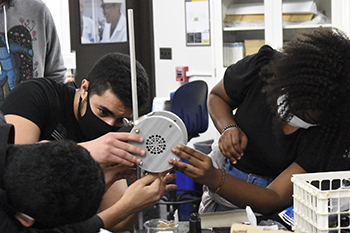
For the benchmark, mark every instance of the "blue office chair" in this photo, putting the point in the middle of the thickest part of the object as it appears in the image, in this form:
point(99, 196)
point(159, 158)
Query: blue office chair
point(189, 102)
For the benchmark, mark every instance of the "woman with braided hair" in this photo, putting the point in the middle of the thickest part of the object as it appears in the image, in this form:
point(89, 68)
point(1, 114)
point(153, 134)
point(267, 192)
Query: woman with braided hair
point(293, 116)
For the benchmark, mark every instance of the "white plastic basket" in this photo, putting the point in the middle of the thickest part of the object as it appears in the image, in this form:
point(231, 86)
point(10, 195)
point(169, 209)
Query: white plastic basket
point(322, 202)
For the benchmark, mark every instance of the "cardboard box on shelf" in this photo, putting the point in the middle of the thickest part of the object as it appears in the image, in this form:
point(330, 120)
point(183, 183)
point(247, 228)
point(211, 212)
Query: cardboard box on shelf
point(253, 46)
point(251, 12)
point(293, 11)
point(244, 18)
point(297, 17)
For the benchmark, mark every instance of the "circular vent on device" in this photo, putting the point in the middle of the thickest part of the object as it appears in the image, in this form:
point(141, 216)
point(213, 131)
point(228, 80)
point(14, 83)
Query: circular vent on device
point(155, 144)
point(161, 131)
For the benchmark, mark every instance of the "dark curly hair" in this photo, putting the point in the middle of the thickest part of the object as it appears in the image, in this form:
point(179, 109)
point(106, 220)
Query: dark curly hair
point(112, 71)
point(56, 183)
point(313, 72)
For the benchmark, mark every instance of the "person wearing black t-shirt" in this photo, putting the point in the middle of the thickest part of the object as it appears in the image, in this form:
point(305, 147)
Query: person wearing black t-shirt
point(293, 116)
point(41, 109)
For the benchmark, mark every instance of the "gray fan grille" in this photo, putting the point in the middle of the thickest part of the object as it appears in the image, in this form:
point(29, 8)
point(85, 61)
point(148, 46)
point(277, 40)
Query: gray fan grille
point(155, 144)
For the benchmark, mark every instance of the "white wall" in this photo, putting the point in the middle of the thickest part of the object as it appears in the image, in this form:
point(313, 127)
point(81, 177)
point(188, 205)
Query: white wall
point(170, 32)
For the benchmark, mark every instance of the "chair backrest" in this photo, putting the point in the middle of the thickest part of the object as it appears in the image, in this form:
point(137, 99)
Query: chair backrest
point(189, 102)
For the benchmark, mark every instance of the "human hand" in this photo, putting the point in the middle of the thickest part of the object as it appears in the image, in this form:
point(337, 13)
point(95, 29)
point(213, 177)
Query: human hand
point(232, 143)
point(139, 196)
point(200, 169)
point(145, 192)
point(117, 172)
point(113, 148)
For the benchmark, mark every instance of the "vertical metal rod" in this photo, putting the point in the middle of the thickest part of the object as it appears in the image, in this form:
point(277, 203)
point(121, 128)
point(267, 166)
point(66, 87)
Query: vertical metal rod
point(133, 64)
point(134, 89)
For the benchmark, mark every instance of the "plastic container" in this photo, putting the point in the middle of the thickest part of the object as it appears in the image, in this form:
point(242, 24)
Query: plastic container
point(160, 225)
point(321, 202)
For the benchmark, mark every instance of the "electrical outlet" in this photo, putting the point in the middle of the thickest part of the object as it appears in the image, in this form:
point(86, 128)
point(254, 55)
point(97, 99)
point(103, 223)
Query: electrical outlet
point(165, 53)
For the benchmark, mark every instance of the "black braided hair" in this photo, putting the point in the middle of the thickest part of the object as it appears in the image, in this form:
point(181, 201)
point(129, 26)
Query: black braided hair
point(313, 71)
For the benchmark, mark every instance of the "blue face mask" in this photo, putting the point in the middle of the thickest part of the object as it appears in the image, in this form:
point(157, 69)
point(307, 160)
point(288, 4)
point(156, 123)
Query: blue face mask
point(294, 120)
point(92, 126)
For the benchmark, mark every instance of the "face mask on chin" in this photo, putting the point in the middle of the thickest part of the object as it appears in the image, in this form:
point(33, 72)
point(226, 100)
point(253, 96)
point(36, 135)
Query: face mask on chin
point(299, 123)
point(294, 120)
point(92, 126)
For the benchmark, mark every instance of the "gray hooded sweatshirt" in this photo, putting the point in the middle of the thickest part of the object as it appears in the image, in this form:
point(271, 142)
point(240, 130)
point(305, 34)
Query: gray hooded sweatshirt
point(29, 44)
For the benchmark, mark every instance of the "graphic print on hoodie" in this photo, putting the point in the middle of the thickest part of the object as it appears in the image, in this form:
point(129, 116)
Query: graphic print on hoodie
point(16, 57)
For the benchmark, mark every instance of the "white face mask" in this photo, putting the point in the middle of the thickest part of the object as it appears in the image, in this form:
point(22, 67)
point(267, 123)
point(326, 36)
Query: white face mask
point(294, 121)
point(27, 216)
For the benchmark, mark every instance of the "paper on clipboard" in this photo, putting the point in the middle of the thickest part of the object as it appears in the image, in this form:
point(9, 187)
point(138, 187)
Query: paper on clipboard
point(197, 22)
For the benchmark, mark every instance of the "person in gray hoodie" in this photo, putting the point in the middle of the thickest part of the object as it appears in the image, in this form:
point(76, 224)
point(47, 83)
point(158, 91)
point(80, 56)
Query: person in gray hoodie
point(29, 44)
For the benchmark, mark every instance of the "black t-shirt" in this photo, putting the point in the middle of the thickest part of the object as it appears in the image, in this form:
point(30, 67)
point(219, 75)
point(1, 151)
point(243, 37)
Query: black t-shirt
point(268, 153)
point(49, 105)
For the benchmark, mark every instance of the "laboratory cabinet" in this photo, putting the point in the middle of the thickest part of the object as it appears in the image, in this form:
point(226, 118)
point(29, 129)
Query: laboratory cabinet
point(239, 27)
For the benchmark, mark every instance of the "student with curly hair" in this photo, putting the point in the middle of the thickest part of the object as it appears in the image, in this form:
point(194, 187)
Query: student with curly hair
point(293, 116)
point(40, 193)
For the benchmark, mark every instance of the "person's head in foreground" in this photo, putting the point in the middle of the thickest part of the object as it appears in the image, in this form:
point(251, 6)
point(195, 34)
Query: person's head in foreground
point(52, 184)
point(310, 83)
